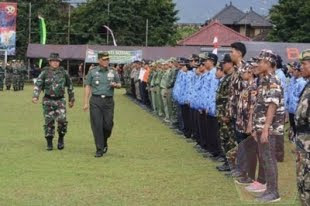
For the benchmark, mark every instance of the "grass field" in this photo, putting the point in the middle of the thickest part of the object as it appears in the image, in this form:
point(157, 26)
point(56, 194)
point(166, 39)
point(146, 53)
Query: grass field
point(147, 164)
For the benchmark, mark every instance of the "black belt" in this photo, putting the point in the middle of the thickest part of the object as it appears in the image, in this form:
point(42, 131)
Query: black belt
point(101, 96)
point(53, 98)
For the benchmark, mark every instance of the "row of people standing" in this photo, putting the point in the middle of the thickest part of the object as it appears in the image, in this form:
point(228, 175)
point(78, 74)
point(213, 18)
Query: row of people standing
point(13, 75)
point(235, 112)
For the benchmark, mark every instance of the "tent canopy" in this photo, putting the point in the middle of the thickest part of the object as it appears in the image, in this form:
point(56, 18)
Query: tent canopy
point(78, 52)
point(288, 51)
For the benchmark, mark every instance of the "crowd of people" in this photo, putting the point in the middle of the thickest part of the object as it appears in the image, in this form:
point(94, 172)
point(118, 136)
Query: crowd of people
point(13, 75)
point(234, 110)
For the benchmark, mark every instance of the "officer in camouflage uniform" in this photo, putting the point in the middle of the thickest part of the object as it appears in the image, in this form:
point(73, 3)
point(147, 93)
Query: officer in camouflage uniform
point(52, 81)
point(16, 75)
point(225, 129)
point(268, 118)
point(8, 76)
point(302, 119)
point(2, 74)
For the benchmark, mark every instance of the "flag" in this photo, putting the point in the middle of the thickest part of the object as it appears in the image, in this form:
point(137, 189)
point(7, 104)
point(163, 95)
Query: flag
point(215, 45)
point(114, 42)
point(42, 34)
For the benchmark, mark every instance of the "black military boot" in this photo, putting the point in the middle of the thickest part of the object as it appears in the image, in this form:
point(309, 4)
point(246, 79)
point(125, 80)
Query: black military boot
point(8, 87)
point(49, 140)
point(61, 144)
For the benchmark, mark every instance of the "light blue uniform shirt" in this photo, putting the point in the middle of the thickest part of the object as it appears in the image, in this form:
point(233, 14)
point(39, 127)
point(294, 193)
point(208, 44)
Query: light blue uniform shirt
point(295, 91)
point(280, 74)
point(214, 83)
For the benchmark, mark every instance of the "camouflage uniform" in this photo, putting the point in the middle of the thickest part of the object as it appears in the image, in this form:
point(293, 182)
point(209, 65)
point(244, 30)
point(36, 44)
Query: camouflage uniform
point(2, 72)
point(246, 155)
point(8, 77)
point(53, 83)
point(16, 77)
point(235, 87)
point(269, 91)
point(22, 77)
point(226, 131)
point(302, 119)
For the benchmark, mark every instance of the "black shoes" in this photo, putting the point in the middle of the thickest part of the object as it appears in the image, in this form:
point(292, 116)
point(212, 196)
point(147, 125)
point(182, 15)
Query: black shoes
point(49, 141)
point(223, 168)
point(100, 153)
point(61, 144)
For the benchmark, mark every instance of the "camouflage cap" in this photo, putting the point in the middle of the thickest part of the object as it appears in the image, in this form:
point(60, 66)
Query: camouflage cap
point(54, 56)
point(247, 68)
point(103, 55)
point(305, 55)
point(295, 65)
point(267, 55)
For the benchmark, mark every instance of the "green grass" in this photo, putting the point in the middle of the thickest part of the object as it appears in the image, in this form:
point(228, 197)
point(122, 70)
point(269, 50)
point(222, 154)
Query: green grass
point(147, 164)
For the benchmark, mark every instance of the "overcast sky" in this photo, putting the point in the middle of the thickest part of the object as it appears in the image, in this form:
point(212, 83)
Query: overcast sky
point(198, 11)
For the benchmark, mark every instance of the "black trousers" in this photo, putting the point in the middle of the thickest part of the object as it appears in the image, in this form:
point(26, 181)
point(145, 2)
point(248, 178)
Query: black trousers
point(133, 88)
point(292, 122)
point(213, 140)
point(144, 93)
point(186, 120)
point(202, 140)
point(101, 119)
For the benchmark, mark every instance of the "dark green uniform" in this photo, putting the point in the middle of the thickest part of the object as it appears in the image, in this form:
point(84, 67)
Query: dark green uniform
point(8, 77)
point(16, 77)
point(101, 104)
point(2, 72)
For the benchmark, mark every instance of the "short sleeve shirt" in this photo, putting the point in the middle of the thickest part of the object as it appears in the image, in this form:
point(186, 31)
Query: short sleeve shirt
point(269, 91)
point(100, 79)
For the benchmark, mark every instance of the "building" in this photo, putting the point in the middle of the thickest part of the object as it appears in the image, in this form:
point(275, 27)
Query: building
point(249, 24)
point(205, 36)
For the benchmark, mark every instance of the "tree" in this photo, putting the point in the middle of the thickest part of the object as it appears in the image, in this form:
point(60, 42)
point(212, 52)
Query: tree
point(56, 17)
point(127, 19)
point(291, 21)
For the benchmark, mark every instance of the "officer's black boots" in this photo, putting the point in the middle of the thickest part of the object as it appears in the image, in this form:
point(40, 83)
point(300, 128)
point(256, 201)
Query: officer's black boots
point(49, 140)
point(61, 144)
point(8, 87)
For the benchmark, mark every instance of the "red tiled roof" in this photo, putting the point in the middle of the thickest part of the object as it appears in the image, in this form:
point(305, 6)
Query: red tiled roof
point(205, 36)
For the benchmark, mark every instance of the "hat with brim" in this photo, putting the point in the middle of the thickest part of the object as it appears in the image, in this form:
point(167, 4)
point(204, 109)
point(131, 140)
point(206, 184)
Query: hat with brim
point(54, 57)
point(103, 55)
point(305, 55)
